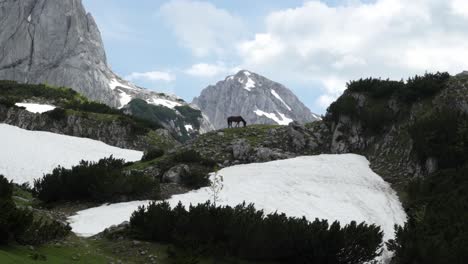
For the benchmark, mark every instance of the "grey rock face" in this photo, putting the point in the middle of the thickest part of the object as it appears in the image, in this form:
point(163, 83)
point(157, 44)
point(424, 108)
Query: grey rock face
point(54, 42)
point(58, 43)
point(255, 98)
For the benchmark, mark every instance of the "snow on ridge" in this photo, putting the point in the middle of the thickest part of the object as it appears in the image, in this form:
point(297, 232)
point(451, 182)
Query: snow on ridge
point(283, 120)
point(249, 84)
point(36, 108)
point(334, 187)
point(188, 128)
point(125, 98)
point(163, 102)
point(114, 83)
point(27, 155)
point(275, 94)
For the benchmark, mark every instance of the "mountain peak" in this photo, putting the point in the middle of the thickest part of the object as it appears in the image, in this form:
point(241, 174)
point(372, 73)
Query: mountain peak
point(256, 98)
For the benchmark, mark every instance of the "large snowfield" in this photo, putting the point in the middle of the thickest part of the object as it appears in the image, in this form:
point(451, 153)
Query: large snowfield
point(334, 187)
point(27, 155)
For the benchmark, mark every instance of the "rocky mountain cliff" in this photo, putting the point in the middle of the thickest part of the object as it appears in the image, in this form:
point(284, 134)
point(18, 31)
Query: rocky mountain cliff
point(257, 99)
point(58, 43)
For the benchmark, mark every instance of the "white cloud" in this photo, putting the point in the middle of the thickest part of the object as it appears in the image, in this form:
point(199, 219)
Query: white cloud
point(206, 70)
point(151, 76)
point(334, 44)
point(202, 27)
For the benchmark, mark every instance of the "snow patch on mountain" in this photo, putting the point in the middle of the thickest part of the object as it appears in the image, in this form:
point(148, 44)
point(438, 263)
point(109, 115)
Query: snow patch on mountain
point(36, 108)
point(125, 98)
point(282, 120)
point(164, 102)
point(275, 94)
point(27, 155)
point(333, 187)
point(114, 83)
point(189, 127)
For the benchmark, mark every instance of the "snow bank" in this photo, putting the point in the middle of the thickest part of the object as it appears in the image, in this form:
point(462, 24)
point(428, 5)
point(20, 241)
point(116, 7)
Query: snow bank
point(26, 155)
point(92, 221)
point(36, 108)
point(334, 187)
point(283, 120)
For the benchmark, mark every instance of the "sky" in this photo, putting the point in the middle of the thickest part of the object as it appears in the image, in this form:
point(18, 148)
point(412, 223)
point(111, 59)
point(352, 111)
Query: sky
point(312, 47)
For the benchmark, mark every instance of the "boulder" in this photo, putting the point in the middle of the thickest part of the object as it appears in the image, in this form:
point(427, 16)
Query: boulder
point(175, 174)
point(240, 149)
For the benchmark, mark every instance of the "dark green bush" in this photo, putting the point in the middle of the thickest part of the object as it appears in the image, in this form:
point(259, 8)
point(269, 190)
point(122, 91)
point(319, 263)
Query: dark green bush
point(42, 231)
point(57, 114)
point(437, 230)
point(420, 87)
point(103, 181)
point(442, 135)
point(19, 225)
point(376, 88)
point(247, 233)
point(188, 156)
point(191, 115)
point(345, 105)
point(152, 154)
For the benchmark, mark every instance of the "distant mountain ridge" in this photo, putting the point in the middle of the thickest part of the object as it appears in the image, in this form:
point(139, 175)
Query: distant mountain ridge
point(59, 43)
point(254, 97)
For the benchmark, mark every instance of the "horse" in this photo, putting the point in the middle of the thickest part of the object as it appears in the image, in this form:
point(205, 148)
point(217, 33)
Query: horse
point(237, 120)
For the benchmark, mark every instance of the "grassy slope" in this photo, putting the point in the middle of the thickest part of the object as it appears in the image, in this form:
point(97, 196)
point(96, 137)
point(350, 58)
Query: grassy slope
point(81, 250)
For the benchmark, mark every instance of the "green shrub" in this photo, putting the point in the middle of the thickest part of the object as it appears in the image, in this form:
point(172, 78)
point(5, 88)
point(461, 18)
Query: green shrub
point(57, 114)
point(42, 231)
point(420, 87)
point(376, 88)
point(436, 230)
point(102, 181)
point(19, 224)
point(191, 115)
point(188, 156)
point(244, 232)
point(345, 105)
point(442, 135)
point(152, 154)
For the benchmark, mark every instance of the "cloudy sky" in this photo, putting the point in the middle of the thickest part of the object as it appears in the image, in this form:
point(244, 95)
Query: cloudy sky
point(312, 47)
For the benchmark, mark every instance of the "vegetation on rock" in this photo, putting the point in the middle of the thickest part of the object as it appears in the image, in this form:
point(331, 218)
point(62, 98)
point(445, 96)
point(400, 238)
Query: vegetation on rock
point(244, 232)
point(103, 181)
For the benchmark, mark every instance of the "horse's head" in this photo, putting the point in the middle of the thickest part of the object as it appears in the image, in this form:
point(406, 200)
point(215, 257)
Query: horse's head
point(244, 122)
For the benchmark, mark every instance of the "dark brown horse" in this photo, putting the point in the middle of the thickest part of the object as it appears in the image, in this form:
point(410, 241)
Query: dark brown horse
point(237, 120)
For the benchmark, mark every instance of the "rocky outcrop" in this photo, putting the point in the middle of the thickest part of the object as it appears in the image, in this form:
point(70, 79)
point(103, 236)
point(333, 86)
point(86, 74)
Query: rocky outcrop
point(54, 42)
point(255, 98)
point(114, 132)
point(262, 143)
point(58, 43)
